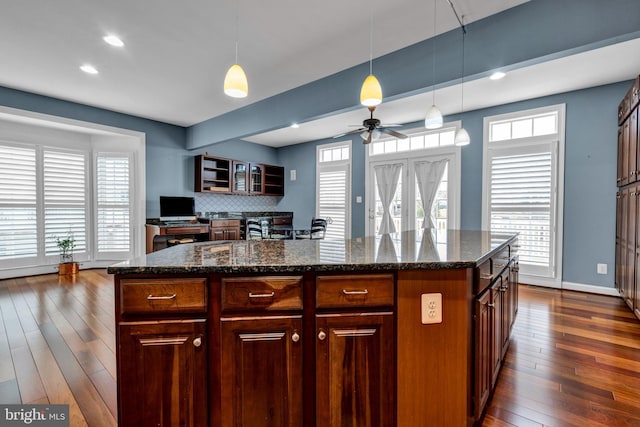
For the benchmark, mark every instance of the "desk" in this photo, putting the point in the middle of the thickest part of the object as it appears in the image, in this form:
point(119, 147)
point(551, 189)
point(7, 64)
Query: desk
point(159, 234)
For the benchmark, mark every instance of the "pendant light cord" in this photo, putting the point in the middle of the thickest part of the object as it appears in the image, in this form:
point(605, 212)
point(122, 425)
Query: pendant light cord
point(237, 27)
point(435, 2)
point(370, 41)
point(464, 32)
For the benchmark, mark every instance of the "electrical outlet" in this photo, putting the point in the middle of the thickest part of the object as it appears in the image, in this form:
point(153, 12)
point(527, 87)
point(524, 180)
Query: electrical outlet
point(602, 268)
point(431, 308)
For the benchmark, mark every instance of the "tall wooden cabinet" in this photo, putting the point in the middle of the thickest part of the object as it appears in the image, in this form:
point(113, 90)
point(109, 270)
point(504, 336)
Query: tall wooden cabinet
point(627, 269)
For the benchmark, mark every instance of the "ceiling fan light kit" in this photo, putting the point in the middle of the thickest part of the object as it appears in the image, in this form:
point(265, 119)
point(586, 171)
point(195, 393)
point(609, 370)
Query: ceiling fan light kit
point(235, 82)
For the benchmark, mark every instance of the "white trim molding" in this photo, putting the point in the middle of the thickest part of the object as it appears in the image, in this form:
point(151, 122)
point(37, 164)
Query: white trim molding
point(592, 289)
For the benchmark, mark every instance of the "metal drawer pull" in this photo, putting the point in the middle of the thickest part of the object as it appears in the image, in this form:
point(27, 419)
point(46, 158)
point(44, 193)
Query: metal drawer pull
point(154, 298)
point(197, 342)
point(295, 337)
point(491, 305)
point(486, 276)
point(346, 292)
point(322, 335)
point(252, 295)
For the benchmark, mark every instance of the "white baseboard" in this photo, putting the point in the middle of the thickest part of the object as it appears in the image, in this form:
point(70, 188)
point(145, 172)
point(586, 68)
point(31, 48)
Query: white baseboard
point(592, 289)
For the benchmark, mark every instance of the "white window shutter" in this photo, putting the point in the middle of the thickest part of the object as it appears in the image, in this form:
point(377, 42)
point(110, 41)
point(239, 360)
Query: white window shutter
point(332, 200)
point(113, 205)
point(18, 204)
point(65, 200)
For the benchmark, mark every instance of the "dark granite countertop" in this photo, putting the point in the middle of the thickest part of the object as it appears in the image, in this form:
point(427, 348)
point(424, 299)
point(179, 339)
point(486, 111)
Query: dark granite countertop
point(407, 250)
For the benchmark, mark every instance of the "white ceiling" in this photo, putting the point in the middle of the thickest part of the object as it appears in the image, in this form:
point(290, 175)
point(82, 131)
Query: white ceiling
point(177, 52)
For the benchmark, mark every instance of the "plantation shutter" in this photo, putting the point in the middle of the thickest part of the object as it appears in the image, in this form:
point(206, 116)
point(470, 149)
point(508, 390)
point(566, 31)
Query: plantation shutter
point(521, 199)
point(332, 199)
point(18, 204)
point(65, 199)
point(113, 205)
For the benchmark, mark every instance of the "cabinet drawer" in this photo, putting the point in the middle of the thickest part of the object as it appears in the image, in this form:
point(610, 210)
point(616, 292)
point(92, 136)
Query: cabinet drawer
point(163, 295)
point(484, 276)
point(500, 261)
point(362, 290)
point(185, 230)
point(223, 223)
point(262, 293)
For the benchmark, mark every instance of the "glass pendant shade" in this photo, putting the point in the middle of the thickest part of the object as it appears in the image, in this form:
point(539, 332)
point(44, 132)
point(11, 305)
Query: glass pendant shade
point(235, 82)
point(462, 137)
point(371, 92)
point(433, 120)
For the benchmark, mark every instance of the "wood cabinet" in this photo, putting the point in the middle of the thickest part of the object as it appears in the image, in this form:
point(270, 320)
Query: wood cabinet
point(261, 375)
point(355, 350)
point(212, 174)
point(495, 309)
point(221, 175)
point(162, 358)
point(224, 229)
point(627, 251)
point(354, 374)
point(261, 382)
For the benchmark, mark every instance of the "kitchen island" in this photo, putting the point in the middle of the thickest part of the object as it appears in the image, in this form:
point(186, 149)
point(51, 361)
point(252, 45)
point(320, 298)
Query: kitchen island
point(407, 329)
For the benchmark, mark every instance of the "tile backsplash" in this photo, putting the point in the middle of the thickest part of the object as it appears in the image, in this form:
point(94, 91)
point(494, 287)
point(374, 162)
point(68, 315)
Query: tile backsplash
point(234, 203)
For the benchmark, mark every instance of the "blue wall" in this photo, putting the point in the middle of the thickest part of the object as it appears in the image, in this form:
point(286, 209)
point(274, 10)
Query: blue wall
point(590, 172)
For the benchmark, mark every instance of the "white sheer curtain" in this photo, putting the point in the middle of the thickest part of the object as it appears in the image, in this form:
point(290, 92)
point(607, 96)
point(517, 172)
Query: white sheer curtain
point(429, 175)
point(387, 179)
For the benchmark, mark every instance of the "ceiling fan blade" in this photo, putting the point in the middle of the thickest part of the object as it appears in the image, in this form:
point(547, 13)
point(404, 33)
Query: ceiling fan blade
point(368, 140)
point(351, 132)
point(394, 133)
point(389, 126)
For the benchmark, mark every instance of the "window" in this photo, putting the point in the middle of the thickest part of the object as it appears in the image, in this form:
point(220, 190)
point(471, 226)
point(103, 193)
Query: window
point(44, 195)
point(523, 155)
point(333, 188)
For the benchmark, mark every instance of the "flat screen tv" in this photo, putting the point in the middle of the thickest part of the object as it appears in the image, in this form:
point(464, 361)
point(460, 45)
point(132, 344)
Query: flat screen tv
point(177, 208)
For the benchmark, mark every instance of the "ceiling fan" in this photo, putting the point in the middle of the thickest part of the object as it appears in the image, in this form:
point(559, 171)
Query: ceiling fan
point(371, 129)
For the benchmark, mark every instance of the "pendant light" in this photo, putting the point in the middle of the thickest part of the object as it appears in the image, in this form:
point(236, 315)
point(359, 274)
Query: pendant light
point(433, 119)
point(235, 82)
point(371, 92)
point(462, 136)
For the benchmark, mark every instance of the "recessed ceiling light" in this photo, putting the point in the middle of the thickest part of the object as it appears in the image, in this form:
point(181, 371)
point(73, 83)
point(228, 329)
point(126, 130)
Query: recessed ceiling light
point(89, 69)
point(295, 125)
point(497, 75)
point(113, 40)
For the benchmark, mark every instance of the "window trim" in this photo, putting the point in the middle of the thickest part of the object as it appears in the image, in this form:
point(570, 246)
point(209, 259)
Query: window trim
point(558, 140)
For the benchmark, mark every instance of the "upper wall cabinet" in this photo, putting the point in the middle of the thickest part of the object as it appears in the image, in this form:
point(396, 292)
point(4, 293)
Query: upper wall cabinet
point(220, 175)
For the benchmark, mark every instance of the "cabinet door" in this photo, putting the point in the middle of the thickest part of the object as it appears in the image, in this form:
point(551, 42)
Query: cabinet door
point(624, 166)
point(240, 181)
point(216, 234)
point(505, 324)
point(514, 285)
point(163, 378)
point(483, 361)
point(619, 217)
point(261, 377)
point(633, 146)
point(256, 173)
point(355, 374)
point(620, 156)
point(232, 234)
point(629, 283)
point(496, 329)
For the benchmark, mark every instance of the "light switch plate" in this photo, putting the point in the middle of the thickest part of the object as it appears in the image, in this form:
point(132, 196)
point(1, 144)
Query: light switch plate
point(292, 174)
point(431, 308)
point(602, 268)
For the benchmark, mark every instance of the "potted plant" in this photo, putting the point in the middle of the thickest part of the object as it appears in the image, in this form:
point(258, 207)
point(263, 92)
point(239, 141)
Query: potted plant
point(66, 246)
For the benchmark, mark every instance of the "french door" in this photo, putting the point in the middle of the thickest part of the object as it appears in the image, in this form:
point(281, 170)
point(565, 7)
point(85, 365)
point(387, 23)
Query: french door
point(396, 204)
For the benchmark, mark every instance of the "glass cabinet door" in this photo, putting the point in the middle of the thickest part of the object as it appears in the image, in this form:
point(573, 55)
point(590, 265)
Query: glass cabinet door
point(240, 177)
point(257, 173)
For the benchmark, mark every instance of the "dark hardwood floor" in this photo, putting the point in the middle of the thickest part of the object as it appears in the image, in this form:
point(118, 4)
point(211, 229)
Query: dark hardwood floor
point(574, 358)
